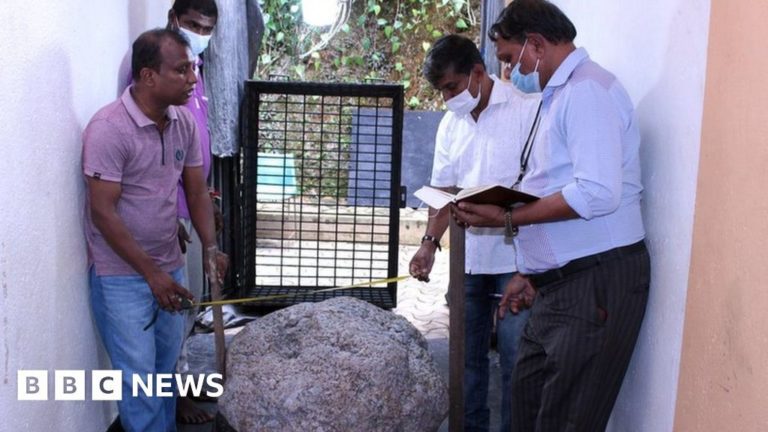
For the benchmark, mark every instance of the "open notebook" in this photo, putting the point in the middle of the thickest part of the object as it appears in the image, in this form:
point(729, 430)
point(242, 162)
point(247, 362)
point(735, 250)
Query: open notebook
point(491, 194)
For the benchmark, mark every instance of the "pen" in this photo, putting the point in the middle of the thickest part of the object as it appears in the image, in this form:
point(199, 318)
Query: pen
point(496, 296)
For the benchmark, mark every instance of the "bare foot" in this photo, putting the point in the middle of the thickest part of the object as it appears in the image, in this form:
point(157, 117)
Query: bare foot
point(187, 412)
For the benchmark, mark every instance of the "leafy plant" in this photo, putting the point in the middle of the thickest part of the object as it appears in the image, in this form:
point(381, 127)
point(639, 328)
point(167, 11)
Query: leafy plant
point(382, 40)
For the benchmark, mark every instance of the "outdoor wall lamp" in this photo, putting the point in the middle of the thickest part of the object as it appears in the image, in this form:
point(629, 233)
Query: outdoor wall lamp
point(331, 15)
point(320, 13)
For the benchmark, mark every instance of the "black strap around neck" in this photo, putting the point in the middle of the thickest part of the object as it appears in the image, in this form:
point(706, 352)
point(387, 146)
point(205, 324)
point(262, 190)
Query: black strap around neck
point(525, 155)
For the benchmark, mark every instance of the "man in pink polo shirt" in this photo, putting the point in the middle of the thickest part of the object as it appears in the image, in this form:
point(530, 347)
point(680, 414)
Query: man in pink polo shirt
point(196, 21)
point(135, 150)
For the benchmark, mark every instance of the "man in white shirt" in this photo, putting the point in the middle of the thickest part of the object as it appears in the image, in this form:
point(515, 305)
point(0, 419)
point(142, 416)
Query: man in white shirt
point(478, 143)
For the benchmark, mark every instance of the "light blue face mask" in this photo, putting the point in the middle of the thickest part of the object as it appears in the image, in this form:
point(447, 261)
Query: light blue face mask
point(528, 83)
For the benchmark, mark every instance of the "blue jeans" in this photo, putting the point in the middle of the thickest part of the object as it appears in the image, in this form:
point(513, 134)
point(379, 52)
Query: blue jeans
point(122, 307)
point(480, 308)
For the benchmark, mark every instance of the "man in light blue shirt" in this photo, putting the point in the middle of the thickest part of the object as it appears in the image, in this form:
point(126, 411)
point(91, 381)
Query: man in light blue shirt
point(581, 245)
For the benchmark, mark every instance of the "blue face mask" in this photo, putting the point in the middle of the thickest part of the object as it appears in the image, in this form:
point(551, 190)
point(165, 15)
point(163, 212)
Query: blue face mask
point(528, 83)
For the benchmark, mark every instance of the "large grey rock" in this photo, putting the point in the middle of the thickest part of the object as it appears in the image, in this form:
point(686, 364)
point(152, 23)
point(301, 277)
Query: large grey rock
point(340, 365)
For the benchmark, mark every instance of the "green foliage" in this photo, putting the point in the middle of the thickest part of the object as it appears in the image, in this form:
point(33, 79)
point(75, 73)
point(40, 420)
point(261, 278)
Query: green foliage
point(383, 39)
point(280, 18)
point(320, 132)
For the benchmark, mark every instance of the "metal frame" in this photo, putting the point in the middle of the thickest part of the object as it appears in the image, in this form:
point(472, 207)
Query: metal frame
point(258, 97)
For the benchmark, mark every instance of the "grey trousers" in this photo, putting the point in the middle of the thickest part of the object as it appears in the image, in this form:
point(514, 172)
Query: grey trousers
point(577, 344)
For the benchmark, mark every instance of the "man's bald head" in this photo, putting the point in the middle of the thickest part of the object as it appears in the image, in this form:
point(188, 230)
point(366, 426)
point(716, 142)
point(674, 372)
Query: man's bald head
point(147, 52)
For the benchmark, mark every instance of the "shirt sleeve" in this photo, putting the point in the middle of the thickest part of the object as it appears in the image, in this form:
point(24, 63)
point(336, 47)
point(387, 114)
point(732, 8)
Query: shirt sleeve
point(443, 173)
point(594, 138)
point(104, 151)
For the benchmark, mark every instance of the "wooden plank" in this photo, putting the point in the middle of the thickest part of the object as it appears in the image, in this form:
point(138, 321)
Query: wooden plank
point(218, 331)
point(456, 329)
point(218, 318)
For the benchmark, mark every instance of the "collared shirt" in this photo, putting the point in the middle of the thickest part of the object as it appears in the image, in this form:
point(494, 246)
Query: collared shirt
point(469, 153)
point(121, 144)
point(197, 105)
point(587, 148)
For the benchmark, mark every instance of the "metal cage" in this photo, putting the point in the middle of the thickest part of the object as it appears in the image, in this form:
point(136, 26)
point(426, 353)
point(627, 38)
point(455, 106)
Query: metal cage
point(320, 190)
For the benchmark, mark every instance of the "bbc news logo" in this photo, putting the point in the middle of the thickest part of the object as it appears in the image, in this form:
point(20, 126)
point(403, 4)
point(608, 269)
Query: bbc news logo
point(106, 385)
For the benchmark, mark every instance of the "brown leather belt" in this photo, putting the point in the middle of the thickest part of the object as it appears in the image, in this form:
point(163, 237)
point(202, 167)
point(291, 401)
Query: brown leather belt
point(584, 263)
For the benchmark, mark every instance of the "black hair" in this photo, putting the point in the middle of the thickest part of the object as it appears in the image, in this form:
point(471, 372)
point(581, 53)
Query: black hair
point(205, 7)
point(451, 53)
point(532, 16)
point(146, 49)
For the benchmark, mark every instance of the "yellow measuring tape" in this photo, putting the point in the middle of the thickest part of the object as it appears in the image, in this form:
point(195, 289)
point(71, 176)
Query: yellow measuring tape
point(282, 296)
point(186, 304)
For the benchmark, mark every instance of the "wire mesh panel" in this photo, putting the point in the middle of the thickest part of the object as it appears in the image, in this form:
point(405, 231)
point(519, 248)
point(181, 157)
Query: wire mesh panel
point(320, 190)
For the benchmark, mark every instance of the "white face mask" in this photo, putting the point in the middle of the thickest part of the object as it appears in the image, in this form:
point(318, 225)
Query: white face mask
point(463, 103)
point(198, 43)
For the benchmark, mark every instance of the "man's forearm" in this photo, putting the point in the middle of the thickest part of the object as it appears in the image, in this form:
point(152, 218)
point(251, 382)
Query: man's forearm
point(199, 203)
point(548, 209)
point(437, 222)
point(439, 219)
point(201, 212)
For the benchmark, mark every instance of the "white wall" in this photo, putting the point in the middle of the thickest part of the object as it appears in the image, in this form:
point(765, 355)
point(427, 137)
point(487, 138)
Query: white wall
point(657, 48)
point(60, 61)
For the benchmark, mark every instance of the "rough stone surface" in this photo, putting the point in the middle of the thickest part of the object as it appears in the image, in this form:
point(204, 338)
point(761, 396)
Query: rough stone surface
point(340, 365)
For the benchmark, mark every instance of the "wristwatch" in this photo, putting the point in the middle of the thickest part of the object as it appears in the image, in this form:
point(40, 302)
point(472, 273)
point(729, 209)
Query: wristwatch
point(433, 239)
point(510, 230)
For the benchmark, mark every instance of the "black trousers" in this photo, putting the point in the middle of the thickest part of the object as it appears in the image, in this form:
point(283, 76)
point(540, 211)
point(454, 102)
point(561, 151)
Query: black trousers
point(577, 344)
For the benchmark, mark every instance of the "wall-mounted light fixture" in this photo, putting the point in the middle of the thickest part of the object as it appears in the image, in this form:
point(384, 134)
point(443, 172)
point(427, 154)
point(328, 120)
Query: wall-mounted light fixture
point(320, 13)
point(330, 15)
